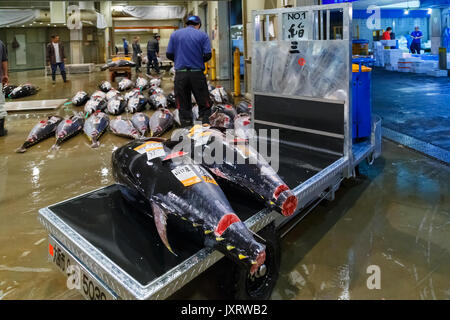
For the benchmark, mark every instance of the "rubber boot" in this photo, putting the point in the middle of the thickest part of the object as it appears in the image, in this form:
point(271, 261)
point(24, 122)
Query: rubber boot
point(3, 131)
point(64, 76)
point(186, 123)
point(204, 115)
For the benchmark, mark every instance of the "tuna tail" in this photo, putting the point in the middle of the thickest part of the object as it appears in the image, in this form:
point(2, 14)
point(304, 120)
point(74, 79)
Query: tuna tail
point(21, 149)
point(95, 143)
point(176, 117)
point(55, 146)
point(160, 217)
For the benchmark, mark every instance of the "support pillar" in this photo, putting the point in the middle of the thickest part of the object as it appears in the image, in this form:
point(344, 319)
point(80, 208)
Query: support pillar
point(76, 46)
point(224, 62)
point(436, 30)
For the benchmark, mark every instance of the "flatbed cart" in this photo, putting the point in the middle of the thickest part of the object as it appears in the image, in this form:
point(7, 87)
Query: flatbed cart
point(110, 252)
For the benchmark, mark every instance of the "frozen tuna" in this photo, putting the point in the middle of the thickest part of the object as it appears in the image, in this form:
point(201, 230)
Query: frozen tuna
point(244, 107)
point(112, 94)
point(132, 93)
point(136, 104)
point(158, 100)
point(95, 126)
point(105, 86)
point(246, 169)
point(161, 121)
point(80, 98)
point(146, 173)
point(155, 82)
point(155, 90)
point(125, 84)
point(141, 122)
point(171, 102)
point(116, 106)
point(8, 89)
point(219, 95)
point(141, 83)
point(118, 63)
point(242, 127)
point(24, 90)
point(41, 131)
point(94, 104)
point(68, 128)
point(124, 128)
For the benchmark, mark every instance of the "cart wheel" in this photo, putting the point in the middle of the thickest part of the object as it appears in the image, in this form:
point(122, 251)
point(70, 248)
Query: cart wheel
point(240, 285)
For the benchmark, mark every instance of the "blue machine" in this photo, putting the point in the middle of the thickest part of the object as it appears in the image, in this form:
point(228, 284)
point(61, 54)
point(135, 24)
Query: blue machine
point(362, 99)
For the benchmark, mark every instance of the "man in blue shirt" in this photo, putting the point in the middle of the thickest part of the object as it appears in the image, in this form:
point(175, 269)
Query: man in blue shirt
point(417, 35)
point(190, 48)
point(125, 46)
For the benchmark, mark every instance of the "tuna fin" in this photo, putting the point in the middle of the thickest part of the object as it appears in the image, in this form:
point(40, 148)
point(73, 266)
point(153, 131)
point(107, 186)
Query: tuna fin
point(160, 216)
point(55, 147)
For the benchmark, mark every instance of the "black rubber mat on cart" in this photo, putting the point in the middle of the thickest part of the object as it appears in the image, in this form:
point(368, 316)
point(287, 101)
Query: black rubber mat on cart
point(129, 238)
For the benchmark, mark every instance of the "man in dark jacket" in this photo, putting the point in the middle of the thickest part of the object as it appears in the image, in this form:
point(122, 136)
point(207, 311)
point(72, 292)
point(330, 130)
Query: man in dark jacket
point(56, 57)
point(153, 53)
point(137, 53)
point(190, 48)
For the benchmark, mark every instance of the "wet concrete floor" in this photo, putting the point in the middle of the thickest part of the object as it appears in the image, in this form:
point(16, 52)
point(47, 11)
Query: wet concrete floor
point(395, 215)
point(416, 105)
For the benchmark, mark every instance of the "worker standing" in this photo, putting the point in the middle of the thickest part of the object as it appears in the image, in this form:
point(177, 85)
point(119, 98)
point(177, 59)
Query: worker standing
point(137, 53)
point(4, 78)
point(153, 53)
point(56, 57)
point(125, 46)
point(190, 48)
point(416, 35)
point(387, 34)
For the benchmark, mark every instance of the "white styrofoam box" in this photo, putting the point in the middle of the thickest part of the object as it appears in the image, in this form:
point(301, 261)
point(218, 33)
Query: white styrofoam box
point(391, 68)
point(388, 43)
point(438, 73)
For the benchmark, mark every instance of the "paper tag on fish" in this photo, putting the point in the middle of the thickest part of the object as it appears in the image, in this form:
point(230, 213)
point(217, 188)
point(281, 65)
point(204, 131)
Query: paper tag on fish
point(97, 120)
point(207, 177)
point(149, 146)
point(186, 175)
point(156, 153)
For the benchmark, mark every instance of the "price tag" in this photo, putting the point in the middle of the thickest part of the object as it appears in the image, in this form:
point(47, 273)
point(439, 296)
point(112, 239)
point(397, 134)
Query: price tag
point(149, 146)
point(186, 175)
point(156, 153)
point(206, 176)
point(295, 25)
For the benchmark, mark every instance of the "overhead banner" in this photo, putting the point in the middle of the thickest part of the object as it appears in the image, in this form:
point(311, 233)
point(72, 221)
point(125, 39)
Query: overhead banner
point(153, 12)
point(12, 17)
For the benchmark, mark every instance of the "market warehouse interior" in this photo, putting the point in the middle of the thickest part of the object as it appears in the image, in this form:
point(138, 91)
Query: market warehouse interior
point(347, 193)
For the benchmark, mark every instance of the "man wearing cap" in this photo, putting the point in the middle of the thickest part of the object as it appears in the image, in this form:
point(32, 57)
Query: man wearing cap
point(153, 53)
point(190, 48)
